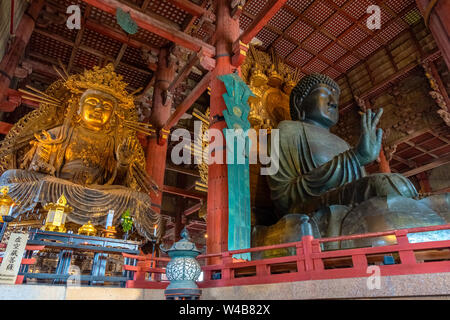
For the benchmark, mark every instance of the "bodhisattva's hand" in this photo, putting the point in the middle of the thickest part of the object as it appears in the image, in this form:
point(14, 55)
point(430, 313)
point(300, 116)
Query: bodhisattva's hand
point(125, 151)
point(369, 144)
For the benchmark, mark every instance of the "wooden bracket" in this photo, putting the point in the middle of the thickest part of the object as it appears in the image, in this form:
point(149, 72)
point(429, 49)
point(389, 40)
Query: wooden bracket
point(163, 136)
point(239, 53)
point(236, 12)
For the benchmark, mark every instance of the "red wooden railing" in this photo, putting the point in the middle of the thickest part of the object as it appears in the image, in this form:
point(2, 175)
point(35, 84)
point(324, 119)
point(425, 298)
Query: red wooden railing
point(310, 262)
point(25, 261)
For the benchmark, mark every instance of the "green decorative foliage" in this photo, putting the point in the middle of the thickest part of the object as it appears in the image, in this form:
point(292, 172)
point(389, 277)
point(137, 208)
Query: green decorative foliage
point(125, 21)
point(127, 221)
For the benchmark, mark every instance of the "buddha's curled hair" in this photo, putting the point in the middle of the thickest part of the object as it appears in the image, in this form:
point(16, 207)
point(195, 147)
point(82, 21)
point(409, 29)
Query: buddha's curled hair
point(302, 90)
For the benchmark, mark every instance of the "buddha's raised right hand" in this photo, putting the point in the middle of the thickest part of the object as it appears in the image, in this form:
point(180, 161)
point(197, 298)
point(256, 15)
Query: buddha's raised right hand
point(369, 144)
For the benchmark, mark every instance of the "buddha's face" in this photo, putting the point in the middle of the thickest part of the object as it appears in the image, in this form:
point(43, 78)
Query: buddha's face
point(321, 105)
point(96, 108)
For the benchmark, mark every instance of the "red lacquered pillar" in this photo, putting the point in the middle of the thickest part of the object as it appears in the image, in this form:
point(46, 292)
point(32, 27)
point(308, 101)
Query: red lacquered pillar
point(227, 32)
point(439, 24)
point(157, 146)
point(383, 165)
point(12, 58)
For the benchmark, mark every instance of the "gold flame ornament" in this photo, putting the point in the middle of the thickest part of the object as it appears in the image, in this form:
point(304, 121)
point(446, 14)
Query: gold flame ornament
point(56, 215)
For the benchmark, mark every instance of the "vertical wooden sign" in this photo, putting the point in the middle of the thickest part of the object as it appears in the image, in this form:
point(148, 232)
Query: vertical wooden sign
point(13, 258)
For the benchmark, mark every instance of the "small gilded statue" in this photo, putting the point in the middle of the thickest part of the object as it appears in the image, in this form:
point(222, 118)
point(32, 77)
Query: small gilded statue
point(82, 142)
point(321, 176)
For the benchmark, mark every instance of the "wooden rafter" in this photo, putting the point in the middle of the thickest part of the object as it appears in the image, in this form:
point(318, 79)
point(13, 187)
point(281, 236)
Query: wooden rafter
point(78, 38)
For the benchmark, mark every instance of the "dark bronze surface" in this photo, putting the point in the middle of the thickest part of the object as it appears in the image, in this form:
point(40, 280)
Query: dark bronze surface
point(322, 176)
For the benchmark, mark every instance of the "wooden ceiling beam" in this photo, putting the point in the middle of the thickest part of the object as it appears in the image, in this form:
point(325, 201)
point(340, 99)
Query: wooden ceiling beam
point(189, 7)
point(437, 163)
point(181, 170)
point(184, 193)
point(413, 145)
point(443, 139)
point(409, 163)
point(120, 54)
point(193, 209)
point(271, 8)
point(5, 127)
point(155, 25)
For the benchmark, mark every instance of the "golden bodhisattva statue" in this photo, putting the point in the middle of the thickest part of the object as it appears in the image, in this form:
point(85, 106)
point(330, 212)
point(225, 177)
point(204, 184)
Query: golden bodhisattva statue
point(82, 143)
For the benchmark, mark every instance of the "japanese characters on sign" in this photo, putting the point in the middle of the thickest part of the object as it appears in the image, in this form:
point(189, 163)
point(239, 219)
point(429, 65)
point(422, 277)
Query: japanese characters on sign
point(13, 258)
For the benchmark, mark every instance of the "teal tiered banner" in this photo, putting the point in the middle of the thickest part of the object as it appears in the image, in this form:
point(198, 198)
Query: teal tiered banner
point(238, 149)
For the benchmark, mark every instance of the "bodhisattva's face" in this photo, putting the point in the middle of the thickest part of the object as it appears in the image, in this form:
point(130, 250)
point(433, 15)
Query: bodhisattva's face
point(96, 109)
point(321, 105)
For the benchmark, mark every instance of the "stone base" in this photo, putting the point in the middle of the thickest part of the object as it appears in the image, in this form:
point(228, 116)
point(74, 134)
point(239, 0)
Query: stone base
point(182, 294)
point(424, 286)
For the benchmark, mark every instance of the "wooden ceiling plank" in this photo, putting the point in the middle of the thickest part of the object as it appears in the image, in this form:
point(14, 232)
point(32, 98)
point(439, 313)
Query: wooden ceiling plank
point(385, 25)
point(391, 79)
point(267, 13)
point(88, 50)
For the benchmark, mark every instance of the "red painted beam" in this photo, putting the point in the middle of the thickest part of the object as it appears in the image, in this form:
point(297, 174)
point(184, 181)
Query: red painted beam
point(271, 8)
point(184, 193)
point(188, 101)
point(5, 127)
point(118, 36)
point(14, 99)
point(155, 26)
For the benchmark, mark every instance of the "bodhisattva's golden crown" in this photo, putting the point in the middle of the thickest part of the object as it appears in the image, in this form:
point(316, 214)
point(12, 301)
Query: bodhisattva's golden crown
point(102, 79)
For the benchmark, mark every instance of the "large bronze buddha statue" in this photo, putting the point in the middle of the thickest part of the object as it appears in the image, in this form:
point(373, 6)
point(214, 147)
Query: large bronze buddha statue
point(82, 143)
point(321, 176)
